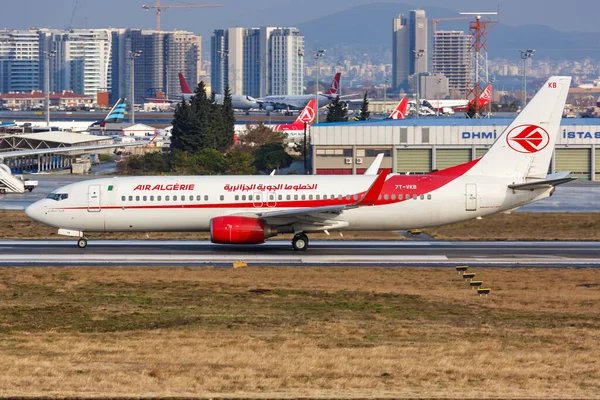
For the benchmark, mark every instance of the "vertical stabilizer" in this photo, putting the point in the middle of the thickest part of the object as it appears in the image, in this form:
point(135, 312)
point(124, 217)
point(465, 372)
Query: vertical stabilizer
point(307, 115)
point(525, 148)
point(400, 110)
point(117, 113)
point(183, 85)
point(334, 87)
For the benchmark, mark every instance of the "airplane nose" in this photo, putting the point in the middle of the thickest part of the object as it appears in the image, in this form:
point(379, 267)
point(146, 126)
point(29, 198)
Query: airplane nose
point(35, 211)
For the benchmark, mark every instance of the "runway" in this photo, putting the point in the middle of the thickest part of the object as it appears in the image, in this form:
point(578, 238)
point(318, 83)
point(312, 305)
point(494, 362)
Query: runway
point(327, 253)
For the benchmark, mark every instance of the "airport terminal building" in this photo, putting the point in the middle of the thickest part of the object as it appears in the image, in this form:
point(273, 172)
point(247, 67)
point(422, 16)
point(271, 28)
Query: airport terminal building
point(418, 146)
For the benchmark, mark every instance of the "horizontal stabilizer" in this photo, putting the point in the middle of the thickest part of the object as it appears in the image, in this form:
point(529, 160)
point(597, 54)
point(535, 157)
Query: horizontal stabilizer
point(552, 180)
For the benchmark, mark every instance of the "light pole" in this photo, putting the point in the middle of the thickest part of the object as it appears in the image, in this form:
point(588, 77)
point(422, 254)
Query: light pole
point(317, 54)
point(525, 54)
point(386, 82)
point(47, 56)
point(418, 54)
point(439, 89)
point(339, 64)
point(132, 56)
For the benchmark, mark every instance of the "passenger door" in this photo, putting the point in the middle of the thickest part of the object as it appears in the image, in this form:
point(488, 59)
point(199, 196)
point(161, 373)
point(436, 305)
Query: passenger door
point(94, 198)
point(471, 197)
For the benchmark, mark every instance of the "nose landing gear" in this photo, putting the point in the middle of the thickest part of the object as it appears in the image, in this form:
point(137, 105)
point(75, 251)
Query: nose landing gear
point(300, 242)
point(82, 243)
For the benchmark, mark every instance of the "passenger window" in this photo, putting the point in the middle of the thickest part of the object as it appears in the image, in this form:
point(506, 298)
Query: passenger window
point(192, 198)
point(324, 197)
point(407, 197)
point(332, 197)
point(428, 197)
point(166, 198)
point(271, 197)
point(130, 198)
point(414, 196)
point(339, 196)
point(379, 197)
point(174, 198)
point(243, 197)
point(122, 198)
point(250, 197)
point(303, 197)
point(355, 197)
point(206, 197)
point(347, 197)
point(159, 198)
point(288, 197)
point(237, 197)
point(198, 198)
point(151, 198)
point(145, 198)
point(386, 196)
point(257, 197)
point(318, 197)
point(280, 197)
point(393, 197)
point(310, 196)
point(222, 197)
point(137, 198)
point(295, 197)
point(422, 197)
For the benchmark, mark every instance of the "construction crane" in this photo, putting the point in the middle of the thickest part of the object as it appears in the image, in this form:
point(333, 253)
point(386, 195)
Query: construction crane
point(435, 21)
point(159, 8)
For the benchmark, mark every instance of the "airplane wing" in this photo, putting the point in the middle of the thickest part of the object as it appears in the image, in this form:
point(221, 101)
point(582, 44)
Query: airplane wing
point(552, 180)
point(322, 216)
point(55, 150)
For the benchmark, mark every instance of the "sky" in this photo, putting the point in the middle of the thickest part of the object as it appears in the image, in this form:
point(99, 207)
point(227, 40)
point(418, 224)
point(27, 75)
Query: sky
point(573, 15)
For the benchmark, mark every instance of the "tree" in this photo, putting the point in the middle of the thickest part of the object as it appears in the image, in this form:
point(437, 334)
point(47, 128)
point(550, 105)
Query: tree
point(364, 109)
point(240, 162)
point(259, 135)
point(182, 136)
point(336, 111)
point(225, 138)
point(271, 156)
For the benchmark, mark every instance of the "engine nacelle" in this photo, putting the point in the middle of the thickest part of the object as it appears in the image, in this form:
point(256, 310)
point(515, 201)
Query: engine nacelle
point(269, 108)
point(239, 230)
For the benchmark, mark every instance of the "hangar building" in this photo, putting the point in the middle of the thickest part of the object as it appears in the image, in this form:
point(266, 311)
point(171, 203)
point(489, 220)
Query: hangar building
point(418, 146)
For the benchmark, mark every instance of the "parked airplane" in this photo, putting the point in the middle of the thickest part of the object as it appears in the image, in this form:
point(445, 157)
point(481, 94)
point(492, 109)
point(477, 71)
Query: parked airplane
point(295, 129)
point(249, 209)
point(239, 102)
point(298, 102)
point(400, 110)
point(452, 106)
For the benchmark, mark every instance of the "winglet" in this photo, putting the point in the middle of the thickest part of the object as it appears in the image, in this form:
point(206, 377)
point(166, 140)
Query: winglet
point(374, 167)
point(372, 194)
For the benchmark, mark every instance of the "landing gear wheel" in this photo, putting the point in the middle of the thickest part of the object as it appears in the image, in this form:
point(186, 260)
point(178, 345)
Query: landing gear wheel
point(300, 242)
point(82, 243)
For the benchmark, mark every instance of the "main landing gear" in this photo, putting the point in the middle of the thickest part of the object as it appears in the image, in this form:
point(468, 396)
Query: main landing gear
point(300, 242)
point(82, 243)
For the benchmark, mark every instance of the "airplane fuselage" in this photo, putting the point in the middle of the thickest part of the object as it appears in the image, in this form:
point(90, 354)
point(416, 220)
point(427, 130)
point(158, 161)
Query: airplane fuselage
point(188, 203)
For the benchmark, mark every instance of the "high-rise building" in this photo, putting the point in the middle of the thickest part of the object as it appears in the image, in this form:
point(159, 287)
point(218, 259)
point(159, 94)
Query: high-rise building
point(452, 58)
point(158, 57)
point(81, 61)
point(410, 47)
point(257, 61)
point(19, 61)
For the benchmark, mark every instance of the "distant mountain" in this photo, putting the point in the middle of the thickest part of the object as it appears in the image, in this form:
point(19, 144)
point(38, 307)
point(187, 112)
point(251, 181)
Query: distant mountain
point(372, 25)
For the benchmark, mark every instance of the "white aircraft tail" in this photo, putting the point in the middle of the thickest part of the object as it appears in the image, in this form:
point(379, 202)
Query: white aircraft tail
point(525, 148)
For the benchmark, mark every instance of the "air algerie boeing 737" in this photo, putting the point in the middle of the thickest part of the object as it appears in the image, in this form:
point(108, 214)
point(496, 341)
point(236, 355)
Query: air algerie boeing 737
point(250, 209)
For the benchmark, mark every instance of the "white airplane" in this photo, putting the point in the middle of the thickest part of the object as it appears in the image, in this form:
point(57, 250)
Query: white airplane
point(293, 130)
point(298, 102)
point(250, 209)
point(452, 106)
point(239, 102)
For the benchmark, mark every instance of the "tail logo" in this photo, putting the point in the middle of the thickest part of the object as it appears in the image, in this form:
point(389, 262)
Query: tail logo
point(528, 138)
point(397, 114)
point(307, 115)
point(334, 86)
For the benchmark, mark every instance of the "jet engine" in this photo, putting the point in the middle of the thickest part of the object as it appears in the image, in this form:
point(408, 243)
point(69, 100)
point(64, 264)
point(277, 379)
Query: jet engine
point(239, 230)
point(268, 107)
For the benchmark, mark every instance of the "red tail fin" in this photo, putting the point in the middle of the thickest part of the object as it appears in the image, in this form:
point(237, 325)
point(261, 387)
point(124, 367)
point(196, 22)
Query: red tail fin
point(334, 88)
point(185, 88)
point(486, 95)
point(308, 114)
point(400, 110)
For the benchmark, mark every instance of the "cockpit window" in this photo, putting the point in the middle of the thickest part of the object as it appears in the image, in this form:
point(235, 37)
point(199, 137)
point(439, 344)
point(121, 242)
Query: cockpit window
point(57, 196)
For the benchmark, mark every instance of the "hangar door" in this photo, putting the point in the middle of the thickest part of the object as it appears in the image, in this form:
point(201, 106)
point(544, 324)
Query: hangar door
point(575, 160)
point(597, 164)
point(446, 158)
point(413, 161)
point(480, 152)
